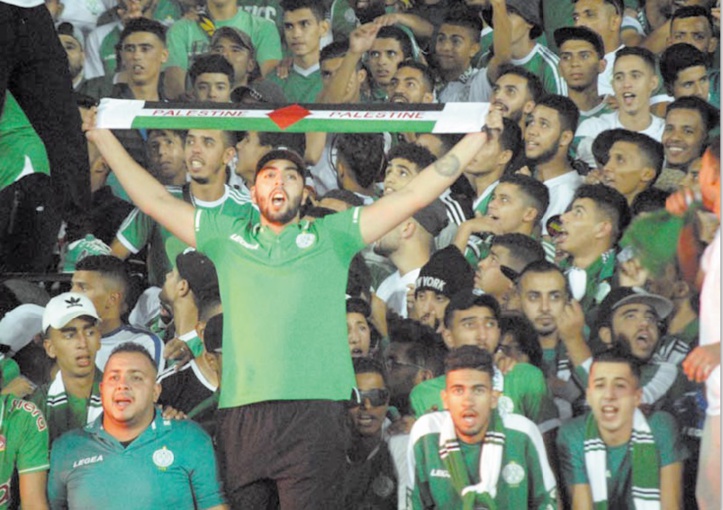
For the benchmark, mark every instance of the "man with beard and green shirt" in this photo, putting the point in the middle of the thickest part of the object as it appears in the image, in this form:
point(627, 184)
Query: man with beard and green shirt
point(277, 274)
point(72, 338)
point(472, 456)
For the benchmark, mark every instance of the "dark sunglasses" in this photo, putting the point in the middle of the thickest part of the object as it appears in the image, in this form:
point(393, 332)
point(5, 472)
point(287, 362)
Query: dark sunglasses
point(376, 398)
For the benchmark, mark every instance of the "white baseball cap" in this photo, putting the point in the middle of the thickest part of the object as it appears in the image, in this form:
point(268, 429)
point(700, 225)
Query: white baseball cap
point(63, 308)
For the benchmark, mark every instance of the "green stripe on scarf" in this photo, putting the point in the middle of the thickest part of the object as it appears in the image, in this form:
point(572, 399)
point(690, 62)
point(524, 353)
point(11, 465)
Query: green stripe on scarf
point(645, 464)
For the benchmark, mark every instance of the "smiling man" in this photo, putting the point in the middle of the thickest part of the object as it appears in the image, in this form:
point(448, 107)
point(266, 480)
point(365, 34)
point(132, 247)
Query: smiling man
point(165, 463)
point(469, 455)
point(615, 456)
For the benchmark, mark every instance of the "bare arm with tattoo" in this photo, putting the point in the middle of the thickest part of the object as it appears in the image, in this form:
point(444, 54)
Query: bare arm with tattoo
point(389, 211)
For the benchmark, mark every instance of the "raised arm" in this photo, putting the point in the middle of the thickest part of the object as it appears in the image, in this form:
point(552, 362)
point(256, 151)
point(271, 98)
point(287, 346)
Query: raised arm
point(501, 39)
point(360, 41)
point(389, 211)
point(147, 193)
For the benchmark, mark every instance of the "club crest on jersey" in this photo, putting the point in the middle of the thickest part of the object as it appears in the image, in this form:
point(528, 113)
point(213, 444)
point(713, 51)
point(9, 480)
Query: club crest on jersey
point(505, 405)
point(305, 240)
point(513, 473)
point(163, 458)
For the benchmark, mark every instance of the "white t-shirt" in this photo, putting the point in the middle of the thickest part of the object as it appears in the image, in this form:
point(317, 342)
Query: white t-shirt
point(562, 188)
point(590, 128)
point(393, 290)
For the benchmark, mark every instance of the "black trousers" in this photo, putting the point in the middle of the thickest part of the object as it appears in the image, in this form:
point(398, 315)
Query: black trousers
point(29, 225)
point(34, 67)
point(287, 453)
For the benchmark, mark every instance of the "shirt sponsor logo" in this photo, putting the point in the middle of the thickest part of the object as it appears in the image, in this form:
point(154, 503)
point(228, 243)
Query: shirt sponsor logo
point(513, 473)
point(88, 460)
point(240, 240)
point(305, 240)
point(440, 473)
point(163, 458)
point(34, 412)
point(505, 405)
point(432, 283)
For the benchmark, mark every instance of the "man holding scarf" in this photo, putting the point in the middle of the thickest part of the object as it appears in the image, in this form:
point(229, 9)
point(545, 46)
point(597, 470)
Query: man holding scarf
point(469, 456)
point(615, 457)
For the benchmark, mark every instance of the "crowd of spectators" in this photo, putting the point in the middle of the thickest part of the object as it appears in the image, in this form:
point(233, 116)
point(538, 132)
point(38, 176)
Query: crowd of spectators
point(532, 311)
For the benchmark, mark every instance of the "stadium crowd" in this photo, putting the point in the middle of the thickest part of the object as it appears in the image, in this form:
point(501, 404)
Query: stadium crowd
point(532, 310)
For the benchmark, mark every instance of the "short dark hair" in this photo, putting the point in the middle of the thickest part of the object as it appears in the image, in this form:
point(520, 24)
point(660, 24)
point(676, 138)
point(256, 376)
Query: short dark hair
point(617, 354)
point(678, 57)
point(109, 267)
point(425, 346)
point(399, 35)
point(417, 154)
point(337, 49)
point(208, 302)
point(651, 149)
point(470, 357)
point(133, 347)
point(523, 248)
point(540, 267)
point(466, 299)
point(611, 203)
point(211, 63)
point(143, 25)
point(534, 85)
point(536, 192)
point(693, 11)
point(369, 366)
point(84, 100)
point(567, 111)
point(602, 143)
point(463, 16)
point(648, 200)
point(524, 334)
point(640, 52)
point(427, 73)
point(564, 34)
point(708, 113)
point(363, 154)
point(316, 7)
point(359, 280)
point(511, 138)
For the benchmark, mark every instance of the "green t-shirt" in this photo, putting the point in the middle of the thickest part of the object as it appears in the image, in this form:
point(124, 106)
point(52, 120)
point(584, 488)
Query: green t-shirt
point(286, 337)
point(267, 9)
point(542, 62)
point(525, 480)
point(170, 465)
point(570, 449)
point(23, 152)
point(9, 370)
point(139, 230)
point(299, 87)
point(186, 39)
point(524, 392)
point(24, 436)
point(64, 412)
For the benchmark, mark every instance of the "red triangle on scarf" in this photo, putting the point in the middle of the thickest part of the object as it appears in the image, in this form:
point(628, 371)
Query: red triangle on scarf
point(288, 115)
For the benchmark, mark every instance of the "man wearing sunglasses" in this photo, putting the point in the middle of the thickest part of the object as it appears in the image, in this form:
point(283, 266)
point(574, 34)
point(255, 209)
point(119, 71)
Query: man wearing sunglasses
point(371, 479)
point(472, 456)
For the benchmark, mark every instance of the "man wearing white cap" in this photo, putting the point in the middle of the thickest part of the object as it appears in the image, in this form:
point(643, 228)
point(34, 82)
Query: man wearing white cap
point(72, 339)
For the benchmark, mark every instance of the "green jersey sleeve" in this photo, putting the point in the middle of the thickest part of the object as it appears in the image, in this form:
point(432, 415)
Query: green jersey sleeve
point(570, 440)
point(267, 41)
point(135, 231)
point(667, 438)
point(30, 429)
point(345, 229)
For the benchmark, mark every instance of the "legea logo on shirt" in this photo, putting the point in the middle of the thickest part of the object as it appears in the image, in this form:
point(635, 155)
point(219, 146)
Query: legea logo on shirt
point(240, 240)
point(439, 473)
point(88, 460)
